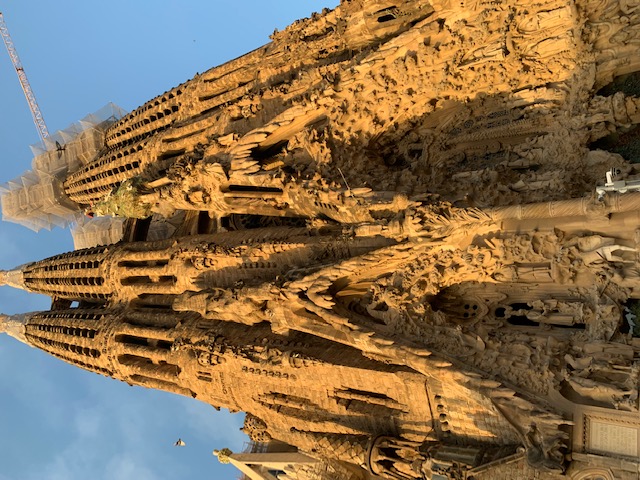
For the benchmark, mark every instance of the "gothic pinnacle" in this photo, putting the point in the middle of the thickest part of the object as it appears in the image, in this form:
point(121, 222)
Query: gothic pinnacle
point(13, 278)
point(13, 325)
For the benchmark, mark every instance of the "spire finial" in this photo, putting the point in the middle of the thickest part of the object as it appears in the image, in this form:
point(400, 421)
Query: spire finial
point(13, 325)
point(223, 455)
point(13, 278)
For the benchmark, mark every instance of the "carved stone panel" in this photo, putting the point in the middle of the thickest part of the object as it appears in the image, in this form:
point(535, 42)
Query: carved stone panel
point(607, 432)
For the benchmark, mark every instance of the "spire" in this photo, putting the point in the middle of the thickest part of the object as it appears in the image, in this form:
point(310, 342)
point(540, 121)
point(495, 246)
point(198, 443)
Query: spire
point(14, 325)
point(13, 278)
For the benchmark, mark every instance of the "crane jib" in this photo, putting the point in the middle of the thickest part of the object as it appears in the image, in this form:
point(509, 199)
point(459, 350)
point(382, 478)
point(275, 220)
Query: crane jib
point(38, 119)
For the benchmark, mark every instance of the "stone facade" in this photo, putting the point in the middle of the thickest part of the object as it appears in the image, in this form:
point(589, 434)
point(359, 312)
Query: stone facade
point(388, 250)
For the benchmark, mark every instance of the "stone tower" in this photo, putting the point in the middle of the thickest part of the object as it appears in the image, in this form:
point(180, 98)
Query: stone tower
point(386, 244)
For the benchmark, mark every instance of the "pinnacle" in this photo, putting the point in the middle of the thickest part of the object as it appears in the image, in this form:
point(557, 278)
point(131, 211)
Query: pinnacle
point(13, 278)
point(14, 325)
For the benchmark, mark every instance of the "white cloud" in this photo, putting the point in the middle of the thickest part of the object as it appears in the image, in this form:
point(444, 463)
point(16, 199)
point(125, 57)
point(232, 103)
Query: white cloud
point(88, 422)
point(127, 468)
point(222, 426)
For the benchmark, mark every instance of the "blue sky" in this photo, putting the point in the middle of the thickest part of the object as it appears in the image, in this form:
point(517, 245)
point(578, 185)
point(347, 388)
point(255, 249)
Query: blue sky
point(58, 422)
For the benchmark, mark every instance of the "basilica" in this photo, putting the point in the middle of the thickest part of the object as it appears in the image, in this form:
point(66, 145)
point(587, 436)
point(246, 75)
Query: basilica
point(403, 237)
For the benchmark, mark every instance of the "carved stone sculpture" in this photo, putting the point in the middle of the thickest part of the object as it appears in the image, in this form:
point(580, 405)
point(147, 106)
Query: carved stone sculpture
point(388, 247)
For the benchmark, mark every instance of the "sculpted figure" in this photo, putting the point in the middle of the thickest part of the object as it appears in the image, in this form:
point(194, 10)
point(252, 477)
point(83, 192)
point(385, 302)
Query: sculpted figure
point(386, 245)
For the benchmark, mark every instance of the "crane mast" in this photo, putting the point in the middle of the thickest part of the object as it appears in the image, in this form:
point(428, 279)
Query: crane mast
point(38, 119)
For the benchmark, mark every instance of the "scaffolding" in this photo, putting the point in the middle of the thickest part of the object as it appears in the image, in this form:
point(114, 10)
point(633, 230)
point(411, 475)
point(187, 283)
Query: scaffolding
point(37, 199)
point(92, 232)
point(106, 230)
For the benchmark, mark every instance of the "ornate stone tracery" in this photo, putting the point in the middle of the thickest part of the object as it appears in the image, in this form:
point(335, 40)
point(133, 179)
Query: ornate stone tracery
point(387, 248)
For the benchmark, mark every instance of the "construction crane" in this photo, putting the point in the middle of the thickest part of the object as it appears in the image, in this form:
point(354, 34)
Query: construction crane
point(22, 76)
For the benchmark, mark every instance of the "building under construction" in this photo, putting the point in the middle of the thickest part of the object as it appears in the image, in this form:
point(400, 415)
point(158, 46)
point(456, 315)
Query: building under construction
point(377, 235)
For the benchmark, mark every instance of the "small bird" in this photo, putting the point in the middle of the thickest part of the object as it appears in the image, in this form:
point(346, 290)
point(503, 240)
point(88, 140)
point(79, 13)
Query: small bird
point(179, 443)
point(60, 148)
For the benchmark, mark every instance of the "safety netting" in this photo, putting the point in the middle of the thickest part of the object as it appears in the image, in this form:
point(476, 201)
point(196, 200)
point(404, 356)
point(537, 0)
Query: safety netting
point(36, 199)
point(105, 230)
point(91, 232)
